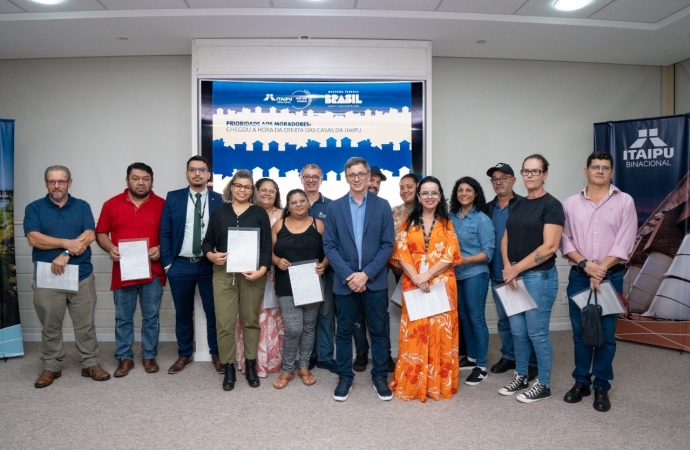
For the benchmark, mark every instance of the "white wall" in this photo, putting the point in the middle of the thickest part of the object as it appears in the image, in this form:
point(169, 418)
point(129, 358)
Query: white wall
point(683, 87)
point(98, 115)
point(489, 111)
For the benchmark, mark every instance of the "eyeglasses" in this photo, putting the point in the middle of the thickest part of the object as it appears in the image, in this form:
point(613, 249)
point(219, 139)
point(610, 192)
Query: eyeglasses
point(352, 176)
point(311, 178)
point(196, 170)
point(267, 191)
point(502, 179)
point(242, 187)
point(57, 182)
point(598, 168)
point(432, 194)
point(298, 202)
point(531, 172)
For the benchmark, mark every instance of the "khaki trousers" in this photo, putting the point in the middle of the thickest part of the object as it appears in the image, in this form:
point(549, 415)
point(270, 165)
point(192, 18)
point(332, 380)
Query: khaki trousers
point(228, 298)
point(50, 307)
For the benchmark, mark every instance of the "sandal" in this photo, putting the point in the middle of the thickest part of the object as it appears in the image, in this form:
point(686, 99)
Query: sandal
point(306, 376)
point(283, 380)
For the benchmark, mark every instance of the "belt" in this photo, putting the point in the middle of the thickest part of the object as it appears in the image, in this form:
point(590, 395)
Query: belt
point(613, 269)
point(193, 259)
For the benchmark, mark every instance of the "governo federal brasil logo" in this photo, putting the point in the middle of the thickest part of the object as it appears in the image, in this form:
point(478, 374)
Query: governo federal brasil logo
point(649, 150)
point(300, 99)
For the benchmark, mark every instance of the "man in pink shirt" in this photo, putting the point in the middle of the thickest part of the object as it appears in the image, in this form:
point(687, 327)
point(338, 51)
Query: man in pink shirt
point(598, 236)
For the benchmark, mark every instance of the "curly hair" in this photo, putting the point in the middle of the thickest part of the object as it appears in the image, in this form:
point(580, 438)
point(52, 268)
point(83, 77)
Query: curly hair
point(479, 199)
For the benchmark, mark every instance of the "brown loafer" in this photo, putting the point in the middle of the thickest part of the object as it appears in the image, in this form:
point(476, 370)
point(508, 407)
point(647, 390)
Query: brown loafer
point(215, 360)
point(150, 365)
point(95, 372)
point(179, 365)
point(46, 378)
point(123, 367)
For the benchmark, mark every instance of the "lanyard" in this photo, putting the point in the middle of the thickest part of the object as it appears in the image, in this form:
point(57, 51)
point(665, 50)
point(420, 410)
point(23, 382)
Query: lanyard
point(203, 211)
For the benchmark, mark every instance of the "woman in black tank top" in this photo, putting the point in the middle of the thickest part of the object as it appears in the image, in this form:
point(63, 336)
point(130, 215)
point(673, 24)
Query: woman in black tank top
point(296, 237)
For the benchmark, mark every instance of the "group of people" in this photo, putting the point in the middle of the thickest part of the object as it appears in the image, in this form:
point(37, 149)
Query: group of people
point(252, 317)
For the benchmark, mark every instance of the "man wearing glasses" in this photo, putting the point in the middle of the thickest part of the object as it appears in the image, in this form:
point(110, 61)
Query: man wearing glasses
point(60, 230)
point(134, 214)
point(502, 180)
point(322, 356)
point(358, 241)
point(598, 236)
point(183, 225)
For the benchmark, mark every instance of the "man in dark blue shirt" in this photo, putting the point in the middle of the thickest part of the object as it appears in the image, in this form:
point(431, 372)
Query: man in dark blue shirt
point(60, 229)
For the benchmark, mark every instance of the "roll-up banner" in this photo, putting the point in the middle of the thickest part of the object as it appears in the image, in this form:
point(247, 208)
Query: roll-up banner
point(10, 328)
point(652, 164)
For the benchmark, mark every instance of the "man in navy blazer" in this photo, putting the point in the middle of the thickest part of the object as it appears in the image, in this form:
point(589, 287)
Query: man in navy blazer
point(358, 241)
point(183, 225)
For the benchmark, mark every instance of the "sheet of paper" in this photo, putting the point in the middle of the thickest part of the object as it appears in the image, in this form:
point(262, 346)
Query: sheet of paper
point(305, 283)
point(134, 259)
point(515, 301)
point(421, 304)
point(607, 298)
point(67, 281)
point(243, 250)
point(397, 293)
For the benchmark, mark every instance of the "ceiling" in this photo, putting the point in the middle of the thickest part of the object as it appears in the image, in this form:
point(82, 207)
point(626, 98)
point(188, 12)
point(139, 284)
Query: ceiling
point(645, 32)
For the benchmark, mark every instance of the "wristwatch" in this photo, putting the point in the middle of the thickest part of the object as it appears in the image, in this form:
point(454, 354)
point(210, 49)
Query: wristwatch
point(582, 264)
point(66, 253)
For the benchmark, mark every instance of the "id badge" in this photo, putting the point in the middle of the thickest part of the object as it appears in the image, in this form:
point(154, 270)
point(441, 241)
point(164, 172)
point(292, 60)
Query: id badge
point(424, 266)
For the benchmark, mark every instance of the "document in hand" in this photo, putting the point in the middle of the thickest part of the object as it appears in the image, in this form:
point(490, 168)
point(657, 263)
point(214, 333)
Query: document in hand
point(421, 304)
point(67, 281)
point(305, 283)
point(606, 297)
point(134, 259)
point(243, 249)
point(397, 293)
point(517, 300)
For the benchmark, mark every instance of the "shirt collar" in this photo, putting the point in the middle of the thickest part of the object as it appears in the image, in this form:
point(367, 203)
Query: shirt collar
point(364, 199)
point(193, 192)
point(612, 189)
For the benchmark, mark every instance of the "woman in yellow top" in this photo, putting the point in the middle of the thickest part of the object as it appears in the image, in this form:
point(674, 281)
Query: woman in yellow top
point(426, 249)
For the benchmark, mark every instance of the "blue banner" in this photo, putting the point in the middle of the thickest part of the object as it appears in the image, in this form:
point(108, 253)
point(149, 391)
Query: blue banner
point(10, 327)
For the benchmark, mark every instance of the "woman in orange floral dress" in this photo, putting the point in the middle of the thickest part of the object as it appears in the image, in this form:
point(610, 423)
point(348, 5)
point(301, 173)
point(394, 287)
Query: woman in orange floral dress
point(426, 249)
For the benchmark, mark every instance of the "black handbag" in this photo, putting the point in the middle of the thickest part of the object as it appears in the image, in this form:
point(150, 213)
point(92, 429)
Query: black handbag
point(592, 333)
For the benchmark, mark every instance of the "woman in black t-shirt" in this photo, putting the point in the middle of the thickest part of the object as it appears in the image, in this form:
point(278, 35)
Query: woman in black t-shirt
point(533, 234)
point(296, 237)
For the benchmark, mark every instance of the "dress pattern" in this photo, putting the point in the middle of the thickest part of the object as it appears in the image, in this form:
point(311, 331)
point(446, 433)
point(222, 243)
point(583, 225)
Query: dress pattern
point(269, 358)
point(428, 348)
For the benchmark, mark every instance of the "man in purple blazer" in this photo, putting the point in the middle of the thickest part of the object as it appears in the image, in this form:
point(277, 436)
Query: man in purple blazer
point(183, 225)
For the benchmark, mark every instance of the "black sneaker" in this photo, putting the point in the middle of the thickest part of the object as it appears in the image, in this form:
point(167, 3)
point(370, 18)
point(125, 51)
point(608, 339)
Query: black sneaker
point(532, 373)
point(477, 376)
point(537, 392)
point(519, 383)
point(391, 364)
point(342, 391)
point(465, 363)
point(382, 389)
point(503, 365)
point(360, 362)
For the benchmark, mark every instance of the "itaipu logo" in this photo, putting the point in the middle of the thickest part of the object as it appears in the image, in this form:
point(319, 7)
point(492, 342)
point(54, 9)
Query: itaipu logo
point(299, 99)
point(642, 154)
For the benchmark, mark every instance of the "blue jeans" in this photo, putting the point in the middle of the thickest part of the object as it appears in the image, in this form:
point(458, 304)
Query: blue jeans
point(375, 304)
point(359, 334)
point(325, 322)
point(503, 324)
point(532, 326)
point(125, 304)
point(184, 277)
point(472, 311)
point(599, 360)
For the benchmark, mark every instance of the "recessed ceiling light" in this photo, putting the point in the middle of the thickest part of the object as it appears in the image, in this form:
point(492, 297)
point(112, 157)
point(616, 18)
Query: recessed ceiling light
point(47, 2)
point(570, 5)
